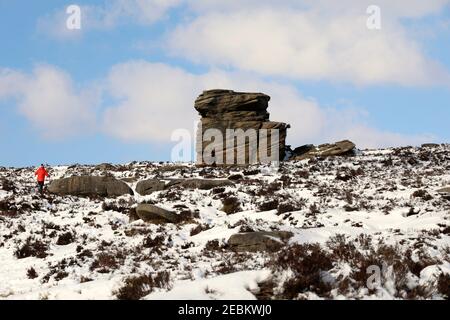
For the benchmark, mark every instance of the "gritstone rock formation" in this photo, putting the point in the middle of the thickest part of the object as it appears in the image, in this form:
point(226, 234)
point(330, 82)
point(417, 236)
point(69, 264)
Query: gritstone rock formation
point(340, 148)
point(226, 109)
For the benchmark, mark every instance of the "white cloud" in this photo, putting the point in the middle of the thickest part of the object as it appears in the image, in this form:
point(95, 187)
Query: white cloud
point(48, 99)
point(151, 100)
point(135, 11)
point(369, 137)
point(106, 16)
point(310, 40)
point(156, 99)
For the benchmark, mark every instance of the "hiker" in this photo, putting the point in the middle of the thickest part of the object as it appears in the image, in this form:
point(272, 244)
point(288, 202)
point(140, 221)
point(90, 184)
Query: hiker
point(41, 173)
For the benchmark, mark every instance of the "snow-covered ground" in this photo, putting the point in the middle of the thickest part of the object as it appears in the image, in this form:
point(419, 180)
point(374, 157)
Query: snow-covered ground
point(380, 208)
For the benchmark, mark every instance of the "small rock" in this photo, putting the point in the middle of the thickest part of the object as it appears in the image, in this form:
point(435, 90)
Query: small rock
point(444, 190)
point(236, 177)
point(149, 186)
point(422, 194)
point(412, 212)
point(251, 172)
point(430, 145)
point(105, 167)
point(154, 214)
point(303, 149)
point(231, 205)
point(202, 184)
point(259, 241)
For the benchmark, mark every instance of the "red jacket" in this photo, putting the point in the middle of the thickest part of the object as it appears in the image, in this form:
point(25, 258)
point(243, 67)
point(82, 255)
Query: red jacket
point(41, 173)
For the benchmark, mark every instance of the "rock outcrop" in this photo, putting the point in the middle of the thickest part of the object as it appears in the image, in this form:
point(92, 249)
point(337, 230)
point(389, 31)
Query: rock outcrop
point(340, 148)
point(90, 186)
point(154, 214)
point(149, 186)
point(259, 241)
point(226, 109)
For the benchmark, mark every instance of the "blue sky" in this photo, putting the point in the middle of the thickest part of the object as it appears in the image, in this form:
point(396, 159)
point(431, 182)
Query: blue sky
point(116, 89)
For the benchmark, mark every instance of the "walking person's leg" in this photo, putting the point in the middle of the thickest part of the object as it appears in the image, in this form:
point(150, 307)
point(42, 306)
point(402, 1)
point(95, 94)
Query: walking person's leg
point(41, 187)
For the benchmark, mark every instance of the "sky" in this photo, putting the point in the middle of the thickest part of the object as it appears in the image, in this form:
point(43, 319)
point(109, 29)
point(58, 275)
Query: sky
point(118, 88)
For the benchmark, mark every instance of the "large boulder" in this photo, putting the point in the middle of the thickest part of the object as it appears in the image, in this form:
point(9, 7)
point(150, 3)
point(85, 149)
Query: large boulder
point(259, 241)
point(154, 214)
point(90, 186)
point(340, 148)
point(226, 109)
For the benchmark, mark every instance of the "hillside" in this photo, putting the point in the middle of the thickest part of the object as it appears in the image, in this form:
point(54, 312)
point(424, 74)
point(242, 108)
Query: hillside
point(340, 216)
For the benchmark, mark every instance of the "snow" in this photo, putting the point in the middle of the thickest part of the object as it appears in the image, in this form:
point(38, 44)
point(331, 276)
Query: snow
point(374, 203)
point(3, 194)
point(235, 286)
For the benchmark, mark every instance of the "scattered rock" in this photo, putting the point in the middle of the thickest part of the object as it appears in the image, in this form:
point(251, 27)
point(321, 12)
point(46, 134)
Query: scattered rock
point(202, 184)
point(105, 167)
point(412, 161)
point(226, 109)
point(445, 192)
point(251, 172)
point(90, 186)
point(299, 151)
point(422, 194)
point(430, 145)
point(6, 185)
point(231, 205)
point(259, 241)
point(340, 148)
point(154, 214)
point(236, 177)
point(149, 186)
point(412, 212)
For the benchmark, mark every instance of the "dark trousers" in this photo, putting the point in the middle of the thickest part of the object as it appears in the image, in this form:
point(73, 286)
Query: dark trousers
point(41, 186)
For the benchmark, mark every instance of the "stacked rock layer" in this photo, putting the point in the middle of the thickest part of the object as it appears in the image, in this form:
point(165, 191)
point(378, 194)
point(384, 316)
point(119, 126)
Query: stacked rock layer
point(226, 109)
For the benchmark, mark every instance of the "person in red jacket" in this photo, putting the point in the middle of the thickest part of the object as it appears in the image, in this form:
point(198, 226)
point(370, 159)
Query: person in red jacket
point(41, 173)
